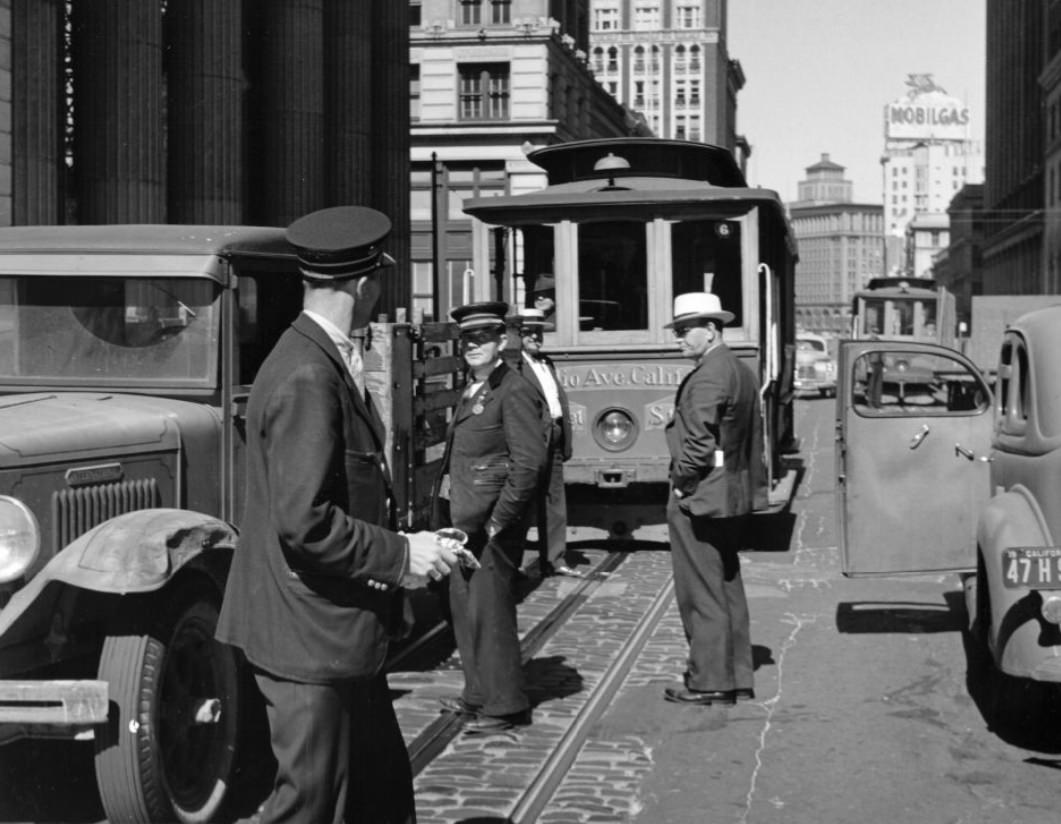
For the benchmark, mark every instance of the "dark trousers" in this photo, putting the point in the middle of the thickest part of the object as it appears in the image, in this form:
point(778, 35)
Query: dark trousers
point(483, 610)
point(552, 505)
point(339, 751)
point(711, 599)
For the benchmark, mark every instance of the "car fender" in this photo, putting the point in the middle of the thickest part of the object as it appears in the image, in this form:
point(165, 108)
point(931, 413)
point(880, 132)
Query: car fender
point(137, 552)
point(1022, 643)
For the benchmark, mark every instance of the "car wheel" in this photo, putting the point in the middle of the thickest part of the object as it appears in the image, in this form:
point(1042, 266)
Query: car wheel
point(168, 748)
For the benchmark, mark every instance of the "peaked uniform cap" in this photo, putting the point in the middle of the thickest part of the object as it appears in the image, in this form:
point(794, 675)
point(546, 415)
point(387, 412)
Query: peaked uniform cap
point(487, 313)
point(341, 242)
point(698, 306)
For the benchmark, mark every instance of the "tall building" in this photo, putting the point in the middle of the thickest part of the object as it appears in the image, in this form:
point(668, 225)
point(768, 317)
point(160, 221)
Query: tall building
point(928, 156)
point(490, 80)
point(669, 60)
point(840, 247)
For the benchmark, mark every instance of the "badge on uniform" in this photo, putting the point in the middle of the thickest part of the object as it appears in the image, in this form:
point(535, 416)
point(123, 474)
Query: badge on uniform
point(477, 409)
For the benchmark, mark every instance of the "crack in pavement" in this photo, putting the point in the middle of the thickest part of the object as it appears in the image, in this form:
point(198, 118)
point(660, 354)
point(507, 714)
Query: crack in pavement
point(770, 705)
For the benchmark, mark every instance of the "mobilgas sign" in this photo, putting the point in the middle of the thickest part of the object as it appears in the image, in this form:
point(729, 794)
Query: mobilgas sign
point(927, 116)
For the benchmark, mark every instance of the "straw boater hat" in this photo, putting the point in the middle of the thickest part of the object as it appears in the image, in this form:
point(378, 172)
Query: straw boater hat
point(483, 315)
point(340, 243)
point(531, 316)
point(698, 306)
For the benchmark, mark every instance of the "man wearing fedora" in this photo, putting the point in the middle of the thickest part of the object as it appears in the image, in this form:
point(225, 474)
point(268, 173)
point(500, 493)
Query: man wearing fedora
point(495, 451)
point(538, 369)
point(315, 588)
point(716, 480)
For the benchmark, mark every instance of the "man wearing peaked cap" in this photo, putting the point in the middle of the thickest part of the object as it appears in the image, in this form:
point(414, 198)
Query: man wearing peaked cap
point(495, 451)
point(316, 586)
point(482, 315)
point(717, 478)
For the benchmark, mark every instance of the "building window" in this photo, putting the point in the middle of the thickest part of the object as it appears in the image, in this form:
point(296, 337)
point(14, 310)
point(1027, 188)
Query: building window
point(687, 15)
point(605, 18)
point(471, 12)
point(414, 13)
point(598, 60)
point(646, 16)
point(679, 58)
point(694, 59)
point(679, 127)
point(500, 11)
point(639, 58)
point(613, 59)
point(484, 91)
point(414, 92)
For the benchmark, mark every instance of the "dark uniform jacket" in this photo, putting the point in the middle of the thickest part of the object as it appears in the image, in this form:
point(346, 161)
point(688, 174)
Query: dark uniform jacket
point(298, 601)
point(529, 374)
point(495, 450)
point(717, 407)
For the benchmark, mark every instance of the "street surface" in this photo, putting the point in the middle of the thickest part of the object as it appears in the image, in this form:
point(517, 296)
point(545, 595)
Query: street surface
point(871, 706)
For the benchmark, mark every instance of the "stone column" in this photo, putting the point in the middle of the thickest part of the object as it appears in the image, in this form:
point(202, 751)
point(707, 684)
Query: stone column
point(118, 118)
point(204, 112)
point(287, 167)
point(34, 145)
point(348, 81)
point(390, 141)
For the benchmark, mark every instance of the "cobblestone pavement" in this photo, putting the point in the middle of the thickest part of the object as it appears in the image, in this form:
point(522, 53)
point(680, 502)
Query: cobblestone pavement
point(488, 776)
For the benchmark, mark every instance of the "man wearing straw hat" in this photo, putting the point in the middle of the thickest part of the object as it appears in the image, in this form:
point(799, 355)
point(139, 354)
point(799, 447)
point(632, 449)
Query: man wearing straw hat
point(716, 474)
point(538, 369)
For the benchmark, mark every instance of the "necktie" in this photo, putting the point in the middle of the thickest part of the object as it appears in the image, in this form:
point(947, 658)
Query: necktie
point(354, 362)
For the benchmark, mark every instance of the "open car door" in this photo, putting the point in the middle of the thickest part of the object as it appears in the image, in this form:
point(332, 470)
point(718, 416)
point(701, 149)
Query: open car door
point(914, 426)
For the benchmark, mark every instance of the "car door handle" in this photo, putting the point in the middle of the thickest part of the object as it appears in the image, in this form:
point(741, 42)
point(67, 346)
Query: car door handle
point(915, 441)
point(970, 455)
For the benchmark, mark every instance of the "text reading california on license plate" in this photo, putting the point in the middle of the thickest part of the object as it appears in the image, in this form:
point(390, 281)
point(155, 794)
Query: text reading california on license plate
point(1036, 567)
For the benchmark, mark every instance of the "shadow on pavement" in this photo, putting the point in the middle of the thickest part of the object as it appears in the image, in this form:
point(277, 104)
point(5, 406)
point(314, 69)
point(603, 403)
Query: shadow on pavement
point(549, 678)
point(876, 617)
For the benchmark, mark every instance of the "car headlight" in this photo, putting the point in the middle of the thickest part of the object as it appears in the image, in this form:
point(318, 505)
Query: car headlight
point(1051, 609)
point(615, 430)
point(20, 538)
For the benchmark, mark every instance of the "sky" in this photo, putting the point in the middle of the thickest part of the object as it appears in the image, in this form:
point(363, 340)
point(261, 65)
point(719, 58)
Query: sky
point(818, 74)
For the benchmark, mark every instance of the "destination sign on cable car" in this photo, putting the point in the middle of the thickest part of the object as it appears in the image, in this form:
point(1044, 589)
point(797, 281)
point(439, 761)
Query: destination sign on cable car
point(1036, 567)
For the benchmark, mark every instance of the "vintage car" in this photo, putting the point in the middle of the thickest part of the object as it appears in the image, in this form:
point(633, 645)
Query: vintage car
point(126, 357)
point(937, 473)
point(815, 367)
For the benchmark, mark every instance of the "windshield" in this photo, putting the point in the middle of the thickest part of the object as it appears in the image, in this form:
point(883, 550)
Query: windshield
point(98, 331)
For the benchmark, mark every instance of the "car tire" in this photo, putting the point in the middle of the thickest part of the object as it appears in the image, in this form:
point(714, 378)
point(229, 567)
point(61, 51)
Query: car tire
point(168, 749)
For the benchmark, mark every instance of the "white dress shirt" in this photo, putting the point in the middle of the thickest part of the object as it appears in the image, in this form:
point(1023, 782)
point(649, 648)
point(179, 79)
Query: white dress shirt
point(545, 378)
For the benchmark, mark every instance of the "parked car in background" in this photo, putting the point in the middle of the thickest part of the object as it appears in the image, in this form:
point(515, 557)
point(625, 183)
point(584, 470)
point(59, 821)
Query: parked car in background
point(936, 471)
point(815, 367)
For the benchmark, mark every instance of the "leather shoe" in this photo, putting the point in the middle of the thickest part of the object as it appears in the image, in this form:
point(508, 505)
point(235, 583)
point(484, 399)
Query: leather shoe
point(496, 723)
point(702, 698)
point(458, 705)
point(744, 694)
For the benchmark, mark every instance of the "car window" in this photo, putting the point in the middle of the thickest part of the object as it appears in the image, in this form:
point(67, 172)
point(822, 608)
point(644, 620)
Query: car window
point(914, 384)
point(99, 331)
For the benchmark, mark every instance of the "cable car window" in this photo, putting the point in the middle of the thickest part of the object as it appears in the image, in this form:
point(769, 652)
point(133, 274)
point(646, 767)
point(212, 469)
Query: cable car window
point(612, 276)
point(915, 384)
point(705, 257)
point(535, 243)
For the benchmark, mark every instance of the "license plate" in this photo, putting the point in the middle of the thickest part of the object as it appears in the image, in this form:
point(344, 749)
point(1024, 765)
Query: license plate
point(1033, 567)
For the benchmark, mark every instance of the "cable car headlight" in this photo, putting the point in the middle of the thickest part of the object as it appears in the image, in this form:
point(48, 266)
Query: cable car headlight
point(615, 430)
point(20, 539)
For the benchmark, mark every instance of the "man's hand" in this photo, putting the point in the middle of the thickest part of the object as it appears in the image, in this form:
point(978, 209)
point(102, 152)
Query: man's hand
point(429, 560)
